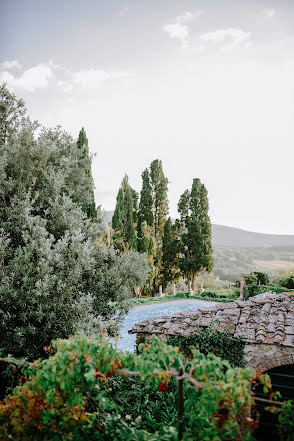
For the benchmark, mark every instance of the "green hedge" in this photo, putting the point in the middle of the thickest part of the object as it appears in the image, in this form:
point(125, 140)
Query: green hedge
point(208, 340)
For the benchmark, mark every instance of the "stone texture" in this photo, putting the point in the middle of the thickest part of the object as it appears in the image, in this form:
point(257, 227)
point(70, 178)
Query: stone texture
point(263, 320)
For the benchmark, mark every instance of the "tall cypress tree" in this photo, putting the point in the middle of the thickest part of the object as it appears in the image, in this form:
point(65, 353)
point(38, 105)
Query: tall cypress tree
point(145, 213)
point(124, 236)
point(170, 254)
point(160, 211)
point(194, 229)
point(153, 210)
point(89, 206)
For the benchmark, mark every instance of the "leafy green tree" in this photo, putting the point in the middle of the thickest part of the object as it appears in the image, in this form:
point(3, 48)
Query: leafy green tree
point(54, 273)
point(12, 112)
point(194, 229)
point(262, 278)
point(124, 236)
point(89, 208)
point(170, 254)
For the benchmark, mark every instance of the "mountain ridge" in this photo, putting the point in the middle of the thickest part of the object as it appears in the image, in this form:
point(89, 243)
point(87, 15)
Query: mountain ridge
point(225, 236)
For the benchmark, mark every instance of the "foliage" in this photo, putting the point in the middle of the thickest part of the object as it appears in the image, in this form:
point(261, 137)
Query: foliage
point(152, 213)
point(254, 290)
point(145, 213)
point(82, 144)
point(170, 255)
point(208, 340)
point(124, 237)
point(288, 282)
point(285, 414)
point(133, 271)
point(255, 278)
point(194, 230)
point(165, 298)
point(230, 262)
point(66, 397)
point(225, 295)
point(12, 114)
point(55, 275)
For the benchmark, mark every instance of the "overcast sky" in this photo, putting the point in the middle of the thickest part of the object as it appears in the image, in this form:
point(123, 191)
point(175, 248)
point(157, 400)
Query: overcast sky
point(205, 86)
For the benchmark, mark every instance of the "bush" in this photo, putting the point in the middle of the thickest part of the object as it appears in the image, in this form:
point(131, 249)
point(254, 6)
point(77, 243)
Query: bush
point(210, 340)
point(68, 396)
point(288, 282)
point(56, 277)
point(254, 290)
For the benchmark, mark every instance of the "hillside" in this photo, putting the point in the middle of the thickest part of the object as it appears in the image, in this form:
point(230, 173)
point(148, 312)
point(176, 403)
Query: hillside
point(237, 251)
point(235, 237)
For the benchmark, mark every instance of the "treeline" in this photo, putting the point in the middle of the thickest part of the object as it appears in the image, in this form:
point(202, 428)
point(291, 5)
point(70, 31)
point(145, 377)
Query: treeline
point(141, 223)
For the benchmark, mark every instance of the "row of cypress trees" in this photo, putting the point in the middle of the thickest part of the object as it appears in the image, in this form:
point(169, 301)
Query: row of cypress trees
point(174, 249)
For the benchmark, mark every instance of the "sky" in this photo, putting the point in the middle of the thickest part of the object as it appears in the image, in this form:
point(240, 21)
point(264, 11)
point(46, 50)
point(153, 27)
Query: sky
point(205, 86)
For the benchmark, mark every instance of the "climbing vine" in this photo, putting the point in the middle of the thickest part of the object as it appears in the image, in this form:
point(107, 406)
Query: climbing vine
point(56, 399)
point(222, 343)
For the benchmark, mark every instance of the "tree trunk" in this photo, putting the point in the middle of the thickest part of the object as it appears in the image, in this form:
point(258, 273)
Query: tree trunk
point(160, 290)
point(190, 286)
point(174, 289)
point(137, 291)
point(150, 290)
point(201, 287)
point(193, 283)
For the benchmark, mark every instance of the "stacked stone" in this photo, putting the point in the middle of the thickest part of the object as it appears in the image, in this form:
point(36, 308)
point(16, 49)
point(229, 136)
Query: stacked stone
point(265, 319)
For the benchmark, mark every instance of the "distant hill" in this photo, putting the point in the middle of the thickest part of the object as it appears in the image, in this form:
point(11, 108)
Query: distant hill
point(235, 237)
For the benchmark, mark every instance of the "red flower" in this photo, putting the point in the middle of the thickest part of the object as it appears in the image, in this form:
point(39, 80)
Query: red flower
point(86, 359)
point(162, 386)
point(47, 348)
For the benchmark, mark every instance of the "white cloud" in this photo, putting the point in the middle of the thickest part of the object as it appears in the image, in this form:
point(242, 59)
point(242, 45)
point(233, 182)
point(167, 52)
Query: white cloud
point(90, 79)
point(11, 64)
point(65, 86)
point(96, 78)
point(6, 77)
point(228, 39)
point(31, 79)
point(179, 30)
point(188, 16)
point(269, 13)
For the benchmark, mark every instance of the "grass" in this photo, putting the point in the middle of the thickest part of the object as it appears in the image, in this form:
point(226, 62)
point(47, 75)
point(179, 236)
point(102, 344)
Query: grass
point(224, 295)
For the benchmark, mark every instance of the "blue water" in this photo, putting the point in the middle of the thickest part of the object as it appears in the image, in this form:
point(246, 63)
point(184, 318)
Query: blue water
point(127, 341)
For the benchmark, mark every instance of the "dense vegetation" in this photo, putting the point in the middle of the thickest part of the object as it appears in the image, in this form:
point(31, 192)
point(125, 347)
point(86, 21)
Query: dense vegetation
point(175, 249)
point(57, 277)
point(62, 274)
point(69, 395)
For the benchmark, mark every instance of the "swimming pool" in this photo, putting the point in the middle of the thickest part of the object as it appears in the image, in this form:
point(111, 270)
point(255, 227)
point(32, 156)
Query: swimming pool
point(127, 341)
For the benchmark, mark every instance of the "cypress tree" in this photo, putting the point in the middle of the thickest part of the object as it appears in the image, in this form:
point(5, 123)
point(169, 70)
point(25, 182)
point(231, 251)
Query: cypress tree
point(170, 255)
point(89, 206)
point(124, 236)
point(153, 210)
point(145, 213)
point(194, 229)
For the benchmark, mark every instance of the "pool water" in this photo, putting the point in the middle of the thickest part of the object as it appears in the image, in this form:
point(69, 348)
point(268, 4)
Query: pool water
point(127, 341)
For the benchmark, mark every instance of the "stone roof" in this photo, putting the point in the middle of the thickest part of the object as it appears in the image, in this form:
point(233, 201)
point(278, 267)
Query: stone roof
point(266, 318)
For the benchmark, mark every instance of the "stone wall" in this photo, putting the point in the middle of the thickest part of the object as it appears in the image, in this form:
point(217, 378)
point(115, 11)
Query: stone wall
point(263, 357)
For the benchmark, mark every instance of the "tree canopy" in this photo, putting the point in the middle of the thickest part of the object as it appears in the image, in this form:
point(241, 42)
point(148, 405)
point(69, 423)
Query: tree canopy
point(194, 229)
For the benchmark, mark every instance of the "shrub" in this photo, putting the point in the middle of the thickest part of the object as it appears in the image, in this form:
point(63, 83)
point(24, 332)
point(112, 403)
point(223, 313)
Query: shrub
point(210, 340)
point(254, 290)
point(68, 396)
point(288, 282)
